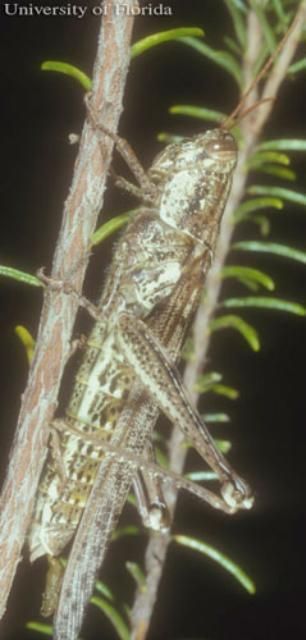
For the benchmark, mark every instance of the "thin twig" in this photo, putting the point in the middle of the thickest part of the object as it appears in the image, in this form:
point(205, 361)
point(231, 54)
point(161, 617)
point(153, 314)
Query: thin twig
point(158, 544)
point(59, 309)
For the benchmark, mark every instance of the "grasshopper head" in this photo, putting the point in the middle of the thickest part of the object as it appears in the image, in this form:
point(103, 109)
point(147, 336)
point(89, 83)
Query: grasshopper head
point(202, 151)
point(193, 179)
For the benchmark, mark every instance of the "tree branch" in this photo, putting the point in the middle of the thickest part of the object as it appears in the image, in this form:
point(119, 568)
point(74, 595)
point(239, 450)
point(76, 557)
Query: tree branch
point(251, 129)
point(59, 309)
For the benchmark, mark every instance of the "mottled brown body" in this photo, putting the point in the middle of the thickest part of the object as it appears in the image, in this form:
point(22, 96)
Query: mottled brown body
point(127, 375)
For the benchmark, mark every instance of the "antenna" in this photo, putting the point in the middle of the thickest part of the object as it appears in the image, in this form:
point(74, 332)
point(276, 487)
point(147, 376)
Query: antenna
point(263, 71)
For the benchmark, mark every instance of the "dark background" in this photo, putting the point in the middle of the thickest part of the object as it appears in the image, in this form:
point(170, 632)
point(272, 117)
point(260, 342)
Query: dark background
point(198, 600)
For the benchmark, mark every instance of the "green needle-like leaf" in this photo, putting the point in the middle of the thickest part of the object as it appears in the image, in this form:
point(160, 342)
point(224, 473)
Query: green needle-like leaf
point(280, 172)
point(235, 322)
point(255, 204)
point(232, 46)
point(265, 26)
point(187, 352)
point(275, 304)
point(216, 417)
point(260, 157)
point(247, 273)
point(277, 4)
point(21, 276)
point(102, 588)
point(45, 629)
point(249, 284)
point(210, 383)
point(225, 390)
point(298, 66)
point(238, 22)
point(121, 532)
point(283, 145)
point(169, 138)
point(114, 617)
point(221, 58)
point(137, 574)
point(197, 112)
point(279, 192)
point(217, 556)
point(224, 445)
point(161, 457)
point(273, 248)
point(262, 222)
point(164, 36)
point(240, 4)
point(206, 380)
point(201, 476)
point(27, 341)
point(68, 70)
point(131, 500)
point(111, 226)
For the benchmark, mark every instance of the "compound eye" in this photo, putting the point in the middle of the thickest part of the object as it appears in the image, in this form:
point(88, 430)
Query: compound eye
point(215, 147)
point(224, 148)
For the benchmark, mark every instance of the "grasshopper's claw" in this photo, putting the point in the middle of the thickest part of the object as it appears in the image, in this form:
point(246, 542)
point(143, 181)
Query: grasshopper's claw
point(237, 494)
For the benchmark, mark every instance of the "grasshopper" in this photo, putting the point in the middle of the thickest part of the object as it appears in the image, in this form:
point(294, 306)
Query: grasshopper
point(128, 375)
